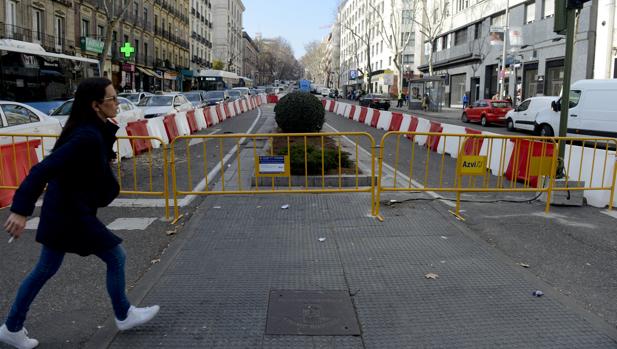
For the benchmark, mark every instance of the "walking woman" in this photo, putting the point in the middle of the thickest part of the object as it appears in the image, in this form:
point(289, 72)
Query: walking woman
point(79, 180)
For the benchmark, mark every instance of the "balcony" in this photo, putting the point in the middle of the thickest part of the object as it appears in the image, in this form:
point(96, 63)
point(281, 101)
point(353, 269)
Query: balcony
point(50, 43)
point(67, 3)
point(192, 11)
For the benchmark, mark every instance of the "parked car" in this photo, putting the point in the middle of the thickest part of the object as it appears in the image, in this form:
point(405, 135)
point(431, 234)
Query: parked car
point(216, 96)
point(592, 111)
point(244, 90)
point(134, 97)
point(161, 105)
point(376, 101)
point(21, 118)
point(524, 116)
point(127, 111)
point(196, 97)
point(324, 92)
point(487, 111)
point(234, 94)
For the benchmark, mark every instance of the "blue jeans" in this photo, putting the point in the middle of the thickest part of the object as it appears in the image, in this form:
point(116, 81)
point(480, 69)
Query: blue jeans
point(49, 263)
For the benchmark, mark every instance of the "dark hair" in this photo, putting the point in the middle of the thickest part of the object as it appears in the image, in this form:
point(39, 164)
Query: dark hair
point(88, 91)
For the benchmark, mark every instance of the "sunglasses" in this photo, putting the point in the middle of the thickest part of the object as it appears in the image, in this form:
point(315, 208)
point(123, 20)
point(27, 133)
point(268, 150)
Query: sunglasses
point(112, 98)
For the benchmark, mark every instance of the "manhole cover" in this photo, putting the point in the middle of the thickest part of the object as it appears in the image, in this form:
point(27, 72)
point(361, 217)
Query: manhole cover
point(311, 313)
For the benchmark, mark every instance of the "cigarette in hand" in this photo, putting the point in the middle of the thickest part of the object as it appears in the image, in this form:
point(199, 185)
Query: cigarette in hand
point(11, 239)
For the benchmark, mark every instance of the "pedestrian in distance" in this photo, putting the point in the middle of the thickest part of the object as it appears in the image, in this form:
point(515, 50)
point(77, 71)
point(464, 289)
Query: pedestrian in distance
point(465, 100)
point(400, 100)
point(79, 180)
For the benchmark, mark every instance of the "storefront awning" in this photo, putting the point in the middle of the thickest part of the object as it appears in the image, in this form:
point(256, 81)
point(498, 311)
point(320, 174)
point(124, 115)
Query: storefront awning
point(149, 72)
point(187, 73)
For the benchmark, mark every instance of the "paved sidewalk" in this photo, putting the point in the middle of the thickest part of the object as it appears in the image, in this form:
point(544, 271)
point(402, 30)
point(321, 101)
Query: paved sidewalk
point(214, 282)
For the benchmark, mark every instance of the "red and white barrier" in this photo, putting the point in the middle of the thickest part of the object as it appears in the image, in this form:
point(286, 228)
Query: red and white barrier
point(182, 124)
point(156, 128)
point(385, 117)
point(123, 146)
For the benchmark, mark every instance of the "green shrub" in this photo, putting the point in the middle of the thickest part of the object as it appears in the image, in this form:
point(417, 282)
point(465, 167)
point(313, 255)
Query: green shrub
point(299, 112)
point(314, 159)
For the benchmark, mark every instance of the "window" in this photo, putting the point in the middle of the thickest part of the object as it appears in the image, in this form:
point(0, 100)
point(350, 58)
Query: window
point(461, 5)
point(575, 97)
point(460, 37)
point(498, 21)
point(145, 14)
point(549, 8)
point(406, 17)
point(524, 105)
point(530, 12)
point(85, 27)
point(37, 25)
point(100, 32)
point(135, 10)
point(18, 115)
point(59, 30)
point(477, 32)
point(389, 61)
point(408, 59)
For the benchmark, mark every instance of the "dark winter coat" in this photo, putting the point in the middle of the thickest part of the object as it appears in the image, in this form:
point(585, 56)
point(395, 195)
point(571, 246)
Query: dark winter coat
point(79, 180)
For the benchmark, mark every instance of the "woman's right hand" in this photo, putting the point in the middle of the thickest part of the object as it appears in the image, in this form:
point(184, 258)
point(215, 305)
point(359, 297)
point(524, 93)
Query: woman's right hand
point(15, 225)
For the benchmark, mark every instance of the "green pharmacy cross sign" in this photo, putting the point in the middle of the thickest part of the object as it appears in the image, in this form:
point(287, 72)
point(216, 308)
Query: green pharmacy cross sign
point(127, 49)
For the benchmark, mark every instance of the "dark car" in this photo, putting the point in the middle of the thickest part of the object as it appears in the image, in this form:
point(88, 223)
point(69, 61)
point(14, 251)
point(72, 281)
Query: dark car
point(196, 98)
point(215, 97)
point(487, 112)
point(376, 101)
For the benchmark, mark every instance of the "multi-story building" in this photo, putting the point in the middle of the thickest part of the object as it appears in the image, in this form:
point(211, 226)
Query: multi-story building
point(469, 61)
point(49, 23)
point(201, 34)
point(171, 43)
point(334, 51)
point(159, 57)
point(365, 25)
point(249, 63)
point(227, 33)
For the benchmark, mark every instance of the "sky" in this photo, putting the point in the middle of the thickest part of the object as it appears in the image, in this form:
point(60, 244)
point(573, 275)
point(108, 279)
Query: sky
point(297, 21)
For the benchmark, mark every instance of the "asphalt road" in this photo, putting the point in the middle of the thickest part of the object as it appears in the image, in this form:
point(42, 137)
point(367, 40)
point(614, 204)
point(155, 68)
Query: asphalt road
point(572, 248)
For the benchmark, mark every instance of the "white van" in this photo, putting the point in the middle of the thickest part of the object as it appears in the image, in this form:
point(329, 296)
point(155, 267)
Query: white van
point(523, 117)
point(592, 111)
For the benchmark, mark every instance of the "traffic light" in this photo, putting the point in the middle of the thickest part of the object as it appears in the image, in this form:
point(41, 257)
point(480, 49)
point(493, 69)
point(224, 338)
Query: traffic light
point(575, 4)
point(560, 22)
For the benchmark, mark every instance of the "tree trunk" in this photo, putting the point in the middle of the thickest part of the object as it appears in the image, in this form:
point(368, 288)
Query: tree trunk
point(106, 46)
point(430, 62)
point(369, 78)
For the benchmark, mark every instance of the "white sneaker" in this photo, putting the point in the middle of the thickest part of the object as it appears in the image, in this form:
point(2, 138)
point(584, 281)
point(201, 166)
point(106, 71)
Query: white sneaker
point(19, 339)
point(137, 316)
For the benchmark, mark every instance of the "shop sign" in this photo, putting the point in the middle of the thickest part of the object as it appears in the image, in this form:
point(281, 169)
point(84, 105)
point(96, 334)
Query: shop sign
point(91, 45)
point(128, 67)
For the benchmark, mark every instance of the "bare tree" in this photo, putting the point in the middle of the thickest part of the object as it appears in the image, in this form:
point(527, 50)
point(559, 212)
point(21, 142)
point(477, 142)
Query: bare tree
point(362, 43)
point(429, 20)
point(113, 11)
point(276, 60)
point(311, 60)
point(396, 31)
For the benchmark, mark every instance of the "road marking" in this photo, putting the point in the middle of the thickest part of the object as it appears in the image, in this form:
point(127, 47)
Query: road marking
point(390, 171)
point(131, 223)
point(118, 224)
point(201, 140)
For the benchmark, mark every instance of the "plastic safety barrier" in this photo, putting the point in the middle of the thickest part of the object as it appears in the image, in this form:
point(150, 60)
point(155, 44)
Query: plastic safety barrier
point(139, 128)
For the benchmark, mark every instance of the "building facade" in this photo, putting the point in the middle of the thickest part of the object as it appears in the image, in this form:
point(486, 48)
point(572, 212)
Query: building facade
point(375, 26)
point(48, 23)
point(156, 31)
point(469, 62)
point(200, 22)
point(249, 57)
point(227, 33)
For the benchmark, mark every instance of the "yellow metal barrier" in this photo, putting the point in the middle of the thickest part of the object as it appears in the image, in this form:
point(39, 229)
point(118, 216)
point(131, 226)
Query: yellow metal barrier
point(143, 163)
point(262, 164)
point(463, 163)
point(19, 152)
point(584, 160)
